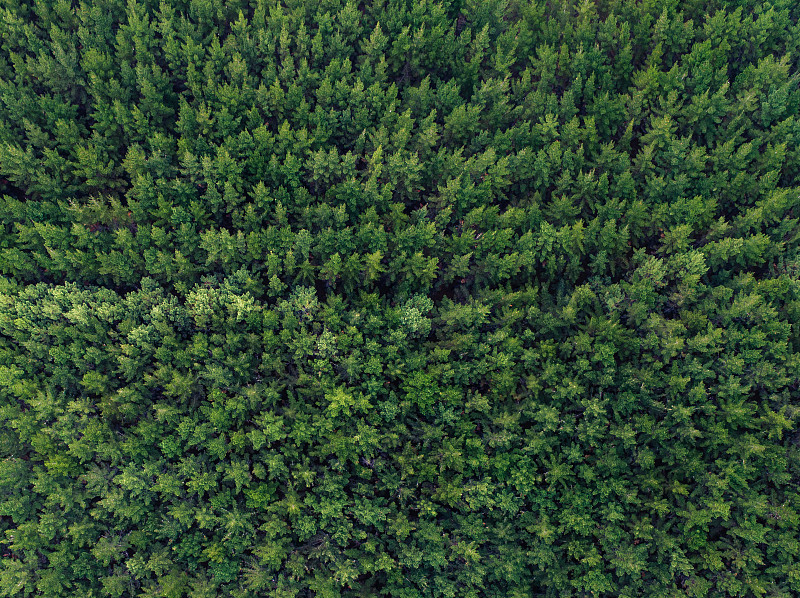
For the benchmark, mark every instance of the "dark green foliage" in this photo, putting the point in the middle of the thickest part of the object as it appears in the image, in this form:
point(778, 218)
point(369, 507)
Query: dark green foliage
point(416, 299)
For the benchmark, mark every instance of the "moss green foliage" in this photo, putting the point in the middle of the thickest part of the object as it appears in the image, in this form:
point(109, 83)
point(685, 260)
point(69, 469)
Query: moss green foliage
point(466, 298)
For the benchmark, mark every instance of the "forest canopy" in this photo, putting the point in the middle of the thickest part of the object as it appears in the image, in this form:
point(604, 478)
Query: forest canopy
point(406, 298)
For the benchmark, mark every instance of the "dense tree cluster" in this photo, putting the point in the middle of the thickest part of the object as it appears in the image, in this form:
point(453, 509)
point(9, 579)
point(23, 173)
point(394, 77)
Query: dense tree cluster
point(408, 298)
